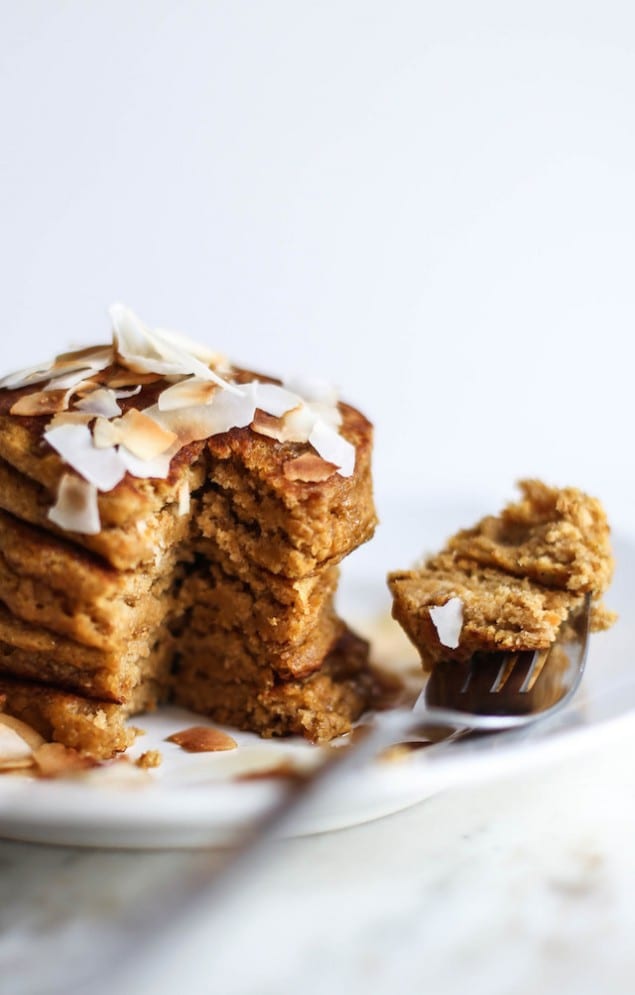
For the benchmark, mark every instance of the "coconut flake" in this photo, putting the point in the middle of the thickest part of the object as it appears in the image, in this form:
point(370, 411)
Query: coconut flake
point(27, 376)
point(268, 425)
point(98, 357)
point(93, 358)
point(101, 467)
point(122, 395)
point(14, 751)
point(76, 508)
point(448, 621)
point(101, 402)
point(308, 468)
point(30, 736)
point(159, 467)
point(42, 402)
point(313, 389)
point(143, 436)
point(186, 344)
point(333, 447)
point(124, 378)
point(69, 418)
point(184, 498)
point(187, 394)
point(201, 421)
point(105, 433)
point(144, 350)
point(72, 379)
point(274, 399)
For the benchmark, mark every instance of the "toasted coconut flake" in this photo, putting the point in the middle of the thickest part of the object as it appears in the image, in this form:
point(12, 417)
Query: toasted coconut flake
point(184, 498)
point(76, 508)
point(85, 387)
point(23, 765)
point(186, 394)
point(100, 402)
point(101, 467)
point(143, 350)
point(298, 424)
point(56, 760)
point(25, 731)
point(143, 436)
point(97, 357)
point(333, 447)
point(202, 739)
point(448, 621)
point(268, 425)
point(69, 418)
point(308, 468)
point(124, 378)
point(42, 402)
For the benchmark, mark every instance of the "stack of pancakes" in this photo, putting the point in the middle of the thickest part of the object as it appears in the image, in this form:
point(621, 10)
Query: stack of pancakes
point(211, 586)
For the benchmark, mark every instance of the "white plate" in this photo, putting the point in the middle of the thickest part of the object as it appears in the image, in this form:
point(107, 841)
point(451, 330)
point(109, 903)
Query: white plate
point(193, 799)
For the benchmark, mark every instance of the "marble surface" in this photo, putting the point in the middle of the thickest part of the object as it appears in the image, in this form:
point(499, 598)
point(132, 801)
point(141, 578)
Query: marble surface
point(514, 887)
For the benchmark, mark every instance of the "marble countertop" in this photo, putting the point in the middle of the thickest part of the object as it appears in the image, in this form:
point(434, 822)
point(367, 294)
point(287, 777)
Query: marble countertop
point(514, 887)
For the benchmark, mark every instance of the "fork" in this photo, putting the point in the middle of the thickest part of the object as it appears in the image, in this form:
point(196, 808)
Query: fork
point(491, 693)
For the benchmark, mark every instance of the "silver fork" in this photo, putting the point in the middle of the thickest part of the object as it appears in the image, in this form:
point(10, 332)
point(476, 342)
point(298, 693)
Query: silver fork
point(490, 694)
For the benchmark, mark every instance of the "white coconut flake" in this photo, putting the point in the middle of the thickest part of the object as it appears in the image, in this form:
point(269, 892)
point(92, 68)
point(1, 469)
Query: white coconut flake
point(102, 467)
point(76, 508)
point(101, 402)
point(448, 621)
point(105, 433)
point(333, 447)
point(30, 375)
point(12, 747)
point(226, 411)
point(274, 399)
point(92, 359)
point(328, 413)
point(145, 350)
point(313, 389)
point(122, 395)
point(186, 344)
point(66, 380)
point(158, 467)
point(184, 498)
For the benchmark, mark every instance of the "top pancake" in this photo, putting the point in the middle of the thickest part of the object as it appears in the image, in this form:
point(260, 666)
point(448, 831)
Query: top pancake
point(237, 479)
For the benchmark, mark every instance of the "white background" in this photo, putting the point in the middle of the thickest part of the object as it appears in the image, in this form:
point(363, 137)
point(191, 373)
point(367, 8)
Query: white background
point(430, 203)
